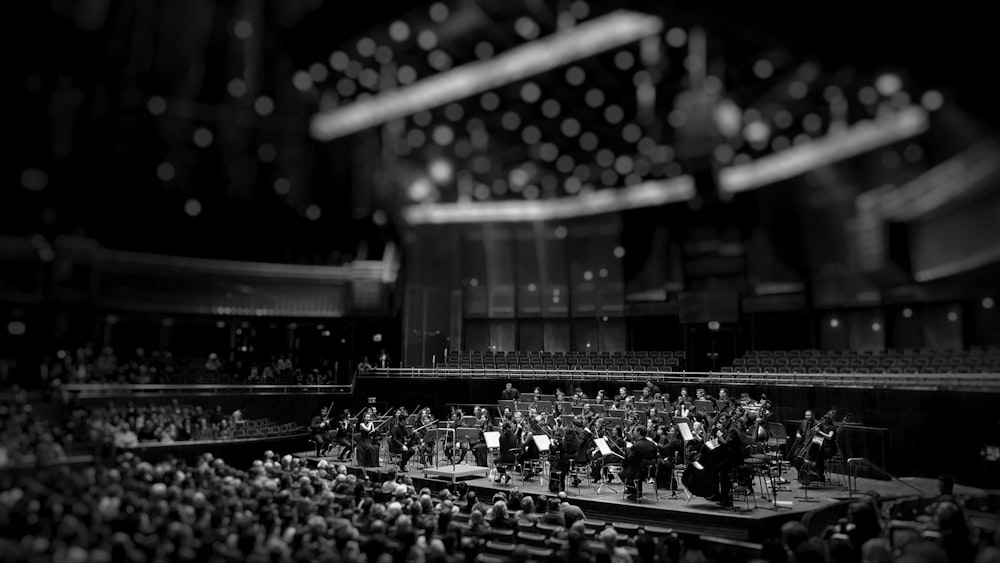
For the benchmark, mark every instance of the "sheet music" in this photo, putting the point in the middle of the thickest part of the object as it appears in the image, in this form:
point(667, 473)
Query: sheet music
point(542, 441)
point(602, 445)
point(492, 439)
point(685, 431)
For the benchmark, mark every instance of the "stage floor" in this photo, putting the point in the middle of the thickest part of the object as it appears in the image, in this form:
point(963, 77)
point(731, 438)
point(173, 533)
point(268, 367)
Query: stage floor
point(695, 515)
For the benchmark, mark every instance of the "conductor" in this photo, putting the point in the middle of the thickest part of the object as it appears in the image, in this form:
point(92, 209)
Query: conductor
point(638, 458)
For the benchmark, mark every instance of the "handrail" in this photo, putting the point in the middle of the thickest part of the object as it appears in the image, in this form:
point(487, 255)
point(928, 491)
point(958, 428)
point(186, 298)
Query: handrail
point(944, 381)
point(89, 390)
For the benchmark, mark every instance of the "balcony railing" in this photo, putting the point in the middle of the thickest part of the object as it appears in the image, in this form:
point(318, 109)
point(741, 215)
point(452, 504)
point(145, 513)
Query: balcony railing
point(942, 381)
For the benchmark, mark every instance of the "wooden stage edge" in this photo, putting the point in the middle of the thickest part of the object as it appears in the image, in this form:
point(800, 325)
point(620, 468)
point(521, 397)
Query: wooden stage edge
point(696, 516)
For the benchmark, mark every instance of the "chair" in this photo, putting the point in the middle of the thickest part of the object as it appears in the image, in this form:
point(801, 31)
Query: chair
point(577, 473)
point(742, 486)
point(678, 475)
point(532, 539)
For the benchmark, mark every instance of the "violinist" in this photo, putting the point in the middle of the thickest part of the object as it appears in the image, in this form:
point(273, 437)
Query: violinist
point(655, 416)
point(587, 415)
point(400, 440)
point(319, 428)
point(345, 435)
point(367, 452)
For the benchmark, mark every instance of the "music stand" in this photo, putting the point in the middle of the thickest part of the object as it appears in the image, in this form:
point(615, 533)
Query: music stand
point(544, 406)
point(704, 407)
point(602, 445)
point(614, 422)
point(492, 445)
point(597, 408)
point(543, 444)
point(543, 398)
point(685, 429)
point(464, 435)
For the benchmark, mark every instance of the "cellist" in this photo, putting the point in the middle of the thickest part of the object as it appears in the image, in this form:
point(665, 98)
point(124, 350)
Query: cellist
point(800, 433)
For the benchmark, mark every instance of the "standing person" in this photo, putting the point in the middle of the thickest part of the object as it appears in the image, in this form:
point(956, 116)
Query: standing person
point(730, 435)
point(510, 393)
point(364, 367)
point(383, 361)
point(828, 431)
point(367, 453)
point(637, 460)
point(800, 433)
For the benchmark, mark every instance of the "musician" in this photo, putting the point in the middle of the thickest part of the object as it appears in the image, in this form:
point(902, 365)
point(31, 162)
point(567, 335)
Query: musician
point(600, 398)
point(637, 461)
point(655, 416)
point(367, 452)
point(724, 399)
point(510, 393)
point(319, 429)
point(578, 397)
point(560, 396)
point(426, 447)
point(508, 451)
point(480, 451)
point(400, 440)
point(670, 449)
point(344, 435)
point(730, 436)
point(571, 445)
point(622, 393)
point(828, 431)
point(536, 395)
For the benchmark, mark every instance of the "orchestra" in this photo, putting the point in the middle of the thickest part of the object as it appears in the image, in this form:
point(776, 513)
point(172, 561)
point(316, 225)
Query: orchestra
point(640, 429)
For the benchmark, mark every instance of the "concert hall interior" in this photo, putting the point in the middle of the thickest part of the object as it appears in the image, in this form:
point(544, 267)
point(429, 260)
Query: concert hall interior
point(481, 281)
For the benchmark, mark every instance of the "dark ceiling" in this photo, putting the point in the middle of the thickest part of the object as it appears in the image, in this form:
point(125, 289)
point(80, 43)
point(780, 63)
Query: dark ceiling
point(90, 75)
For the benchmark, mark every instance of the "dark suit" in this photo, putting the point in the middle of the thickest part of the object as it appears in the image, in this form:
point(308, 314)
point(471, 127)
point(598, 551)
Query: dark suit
point(637, 461)
point(511, 394)
point(397, 440)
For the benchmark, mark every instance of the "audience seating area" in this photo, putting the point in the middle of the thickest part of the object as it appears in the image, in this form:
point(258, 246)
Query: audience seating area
point(658, 361)
point(896, 361)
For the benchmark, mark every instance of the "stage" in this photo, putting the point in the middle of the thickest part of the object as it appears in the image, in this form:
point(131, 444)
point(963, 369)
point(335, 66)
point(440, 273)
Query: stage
point(685, 515)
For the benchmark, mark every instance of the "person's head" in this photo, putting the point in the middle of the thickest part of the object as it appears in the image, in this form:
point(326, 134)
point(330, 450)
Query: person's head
point(640, 431)
point(946, 484)
point(793, 534)
point(810, 416)
point(510, 385)
point(527, 505)
point(609, 537)
point(500, 510)
point(368, 416)
point(876, 550)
